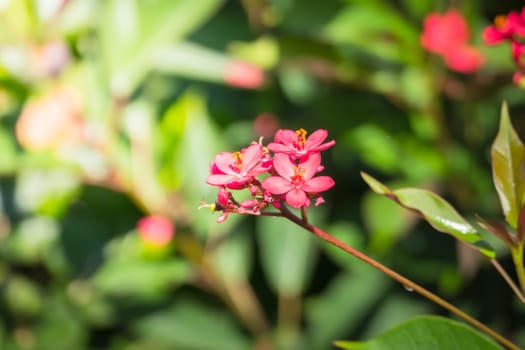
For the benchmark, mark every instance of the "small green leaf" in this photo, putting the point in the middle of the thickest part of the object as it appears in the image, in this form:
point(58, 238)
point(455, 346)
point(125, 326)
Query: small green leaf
point(508, 161)
point(425, 332)
point(436, 211)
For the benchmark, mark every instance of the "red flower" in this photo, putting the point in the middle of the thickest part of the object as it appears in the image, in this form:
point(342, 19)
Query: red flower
point(236, 170)
point(448, 35)
point(443, 32)
point(156, 230)
point(505, 28)
point(464, 59)
point(296, 145)
point(297, 180)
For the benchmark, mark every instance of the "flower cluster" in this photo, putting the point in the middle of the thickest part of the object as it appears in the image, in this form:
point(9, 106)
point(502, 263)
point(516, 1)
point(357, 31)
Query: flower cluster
point(284, 171)
point(447, 35)
point(510, 28)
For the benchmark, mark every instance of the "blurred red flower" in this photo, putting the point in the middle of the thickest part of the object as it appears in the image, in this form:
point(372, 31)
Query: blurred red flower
point(155, 230)
point(448, 35)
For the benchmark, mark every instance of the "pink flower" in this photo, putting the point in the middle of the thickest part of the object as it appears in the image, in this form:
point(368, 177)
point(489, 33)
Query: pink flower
point(464, 59)
point(236, 170)
point(505, 28)
point(448, 35)
point(443, 32)
point(156, 230)
point(296, 145)
point(243, 75)
point(296, 181)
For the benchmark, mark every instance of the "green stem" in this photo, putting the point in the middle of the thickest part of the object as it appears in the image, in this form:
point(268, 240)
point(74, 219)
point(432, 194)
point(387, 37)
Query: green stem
point(407, 283)
point(517, 257)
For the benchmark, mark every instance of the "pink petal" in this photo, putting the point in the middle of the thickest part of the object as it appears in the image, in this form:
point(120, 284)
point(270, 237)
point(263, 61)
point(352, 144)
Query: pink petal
point(285, 136)
point(318, 184)
point(491, 35)
point(316, 138)
point(223, 161)
point(283, 165)
point(464, 59)
point(276, 185)
point(251, 156)
point(296, 198)
point(220, 180)
point(311, 165)
point(280, 148)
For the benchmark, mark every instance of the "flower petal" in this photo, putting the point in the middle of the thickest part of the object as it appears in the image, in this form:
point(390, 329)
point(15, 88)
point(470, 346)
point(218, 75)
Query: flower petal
point(283, 165)
point(316, 138)
point(223, 162)
point(285, 136)
point(280, 148)
point(318, 184)
point(220, 180)
point(311, 165)
point(276, 185)
point(251, 156)
point(296, 198)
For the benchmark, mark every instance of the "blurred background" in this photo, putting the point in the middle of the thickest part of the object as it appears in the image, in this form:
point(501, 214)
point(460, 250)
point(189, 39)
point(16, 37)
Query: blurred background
point(111, 111)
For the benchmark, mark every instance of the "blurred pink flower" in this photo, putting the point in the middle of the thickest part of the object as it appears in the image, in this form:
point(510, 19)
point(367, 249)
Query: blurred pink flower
point(243, 75)
point(156, 230)
point(464, 59)
point(448, 35)
point(296, 181)
point(51, 121)
point(443, 32)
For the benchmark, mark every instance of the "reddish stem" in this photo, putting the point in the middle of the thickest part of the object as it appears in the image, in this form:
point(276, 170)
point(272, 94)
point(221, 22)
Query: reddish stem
point(407, 283)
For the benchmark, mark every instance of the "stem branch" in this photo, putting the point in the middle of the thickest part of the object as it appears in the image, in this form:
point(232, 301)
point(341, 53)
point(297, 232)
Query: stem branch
point(407, 283)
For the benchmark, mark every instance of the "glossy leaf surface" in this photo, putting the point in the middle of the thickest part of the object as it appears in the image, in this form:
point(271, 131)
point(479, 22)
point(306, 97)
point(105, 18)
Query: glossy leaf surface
point(436, 211)
point(508, 160)
point(425, 332)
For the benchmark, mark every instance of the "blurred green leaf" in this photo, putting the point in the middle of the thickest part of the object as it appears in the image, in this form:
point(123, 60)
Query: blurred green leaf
point(508, 168)
point(436, 211)
point(190, 324)
point(132, 31)
point(344, 303)
point(22, 297)
point(425, 332)
point(288, 254)
point(376, 28)
point(33, 239)
point(394, 223)
point(374, 146)
point(59, 328)
point(234, 255)
point(141, 278)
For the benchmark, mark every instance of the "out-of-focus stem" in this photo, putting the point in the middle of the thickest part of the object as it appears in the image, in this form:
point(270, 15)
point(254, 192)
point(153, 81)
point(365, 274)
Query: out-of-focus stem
point(517, 257)
point(407, 283)
point(289, 319)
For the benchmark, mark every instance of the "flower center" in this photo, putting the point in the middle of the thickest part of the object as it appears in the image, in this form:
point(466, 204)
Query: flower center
point(301, 139)
point(297, 177)
point(237, 161)
point(500, 21)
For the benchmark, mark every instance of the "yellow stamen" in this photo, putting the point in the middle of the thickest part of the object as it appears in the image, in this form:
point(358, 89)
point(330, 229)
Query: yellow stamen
point(500, 21)
point(301, 138)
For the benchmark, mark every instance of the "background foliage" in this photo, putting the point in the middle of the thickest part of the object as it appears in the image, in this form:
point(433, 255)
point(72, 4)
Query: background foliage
point(112, 110)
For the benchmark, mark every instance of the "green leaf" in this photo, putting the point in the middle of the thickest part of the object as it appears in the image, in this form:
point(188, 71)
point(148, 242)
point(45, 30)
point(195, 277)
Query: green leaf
point(287, 254)
point(436, 211)
point(508, 161)
point(132, 31)
point(190, 324)
point(425, 332)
